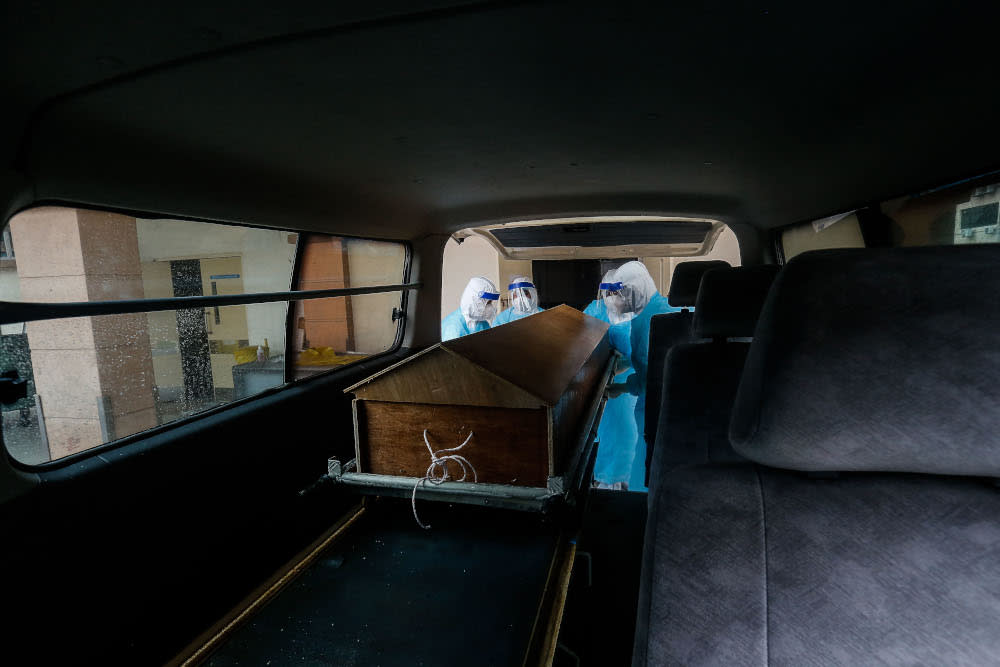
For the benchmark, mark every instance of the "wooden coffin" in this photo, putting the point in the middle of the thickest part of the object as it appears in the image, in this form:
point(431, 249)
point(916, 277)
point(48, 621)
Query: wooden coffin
point(520, 388)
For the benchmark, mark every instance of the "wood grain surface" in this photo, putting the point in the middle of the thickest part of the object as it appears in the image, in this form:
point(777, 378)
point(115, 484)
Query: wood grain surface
point(509, 446)
point(440, 376)
point(569, 412)
point(541, 353)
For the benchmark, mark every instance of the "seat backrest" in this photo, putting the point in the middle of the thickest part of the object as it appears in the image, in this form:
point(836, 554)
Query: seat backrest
point(686, 279)
point(669, 329)
point(864, 526)
point(665, 331)
point(700, 378)
point(882, 360)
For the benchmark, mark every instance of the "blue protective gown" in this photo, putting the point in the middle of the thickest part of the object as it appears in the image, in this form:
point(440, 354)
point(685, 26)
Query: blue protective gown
point(512, 314)
point(616, 432)
point(634, 345)
point(597, 309)
point(454, 326)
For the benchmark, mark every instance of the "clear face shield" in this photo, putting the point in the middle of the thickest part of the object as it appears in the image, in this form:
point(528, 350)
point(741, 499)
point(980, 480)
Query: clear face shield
point(618, 299)
point(479, 301)
point(484, 307)
point(602, 290)
point(522, 296)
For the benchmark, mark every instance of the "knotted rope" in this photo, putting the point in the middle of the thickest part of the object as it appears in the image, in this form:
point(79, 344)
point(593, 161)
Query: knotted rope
point(437, 471)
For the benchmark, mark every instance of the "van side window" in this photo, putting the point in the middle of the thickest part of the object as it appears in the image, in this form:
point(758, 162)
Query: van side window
point(136, 356)
point(340, 330)
point(839, 231)
point(962, 213)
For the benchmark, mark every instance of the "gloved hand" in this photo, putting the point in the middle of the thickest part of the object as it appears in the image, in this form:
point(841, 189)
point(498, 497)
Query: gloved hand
point(616, 389)
point(622, 365)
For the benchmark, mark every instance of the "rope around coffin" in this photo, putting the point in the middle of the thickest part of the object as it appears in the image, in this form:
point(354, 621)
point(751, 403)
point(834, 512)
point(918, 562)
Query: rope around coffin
point(437, 471)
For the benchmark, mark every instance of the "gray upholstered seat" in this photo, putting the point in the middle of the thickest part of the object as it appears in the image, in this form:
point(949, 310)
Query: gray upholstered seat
point(668, 330)
point(700, 378)
point(880, 370)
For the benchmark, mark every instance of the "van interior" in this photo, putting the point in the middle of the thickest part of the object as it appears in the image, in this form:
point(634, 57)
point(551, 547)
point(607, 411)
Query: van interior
point(220, 219)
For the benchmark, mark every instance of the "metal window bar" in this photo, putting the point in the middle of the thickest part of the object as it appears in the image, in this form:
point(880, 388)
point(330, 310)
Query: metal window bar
point(11, 312)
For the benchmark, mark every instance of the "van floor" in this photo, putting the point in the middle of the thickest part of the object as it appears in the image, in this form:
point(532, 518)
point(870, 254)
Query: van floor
point(599, 621)
point(390, 593)
point(464, 592)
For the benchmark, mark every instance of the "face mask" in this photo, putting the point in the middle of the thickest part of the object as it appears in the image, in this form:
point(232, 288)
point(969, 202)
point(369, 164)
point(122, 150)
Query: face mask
point(490, 311)
point(615, 303)
point(483, 310)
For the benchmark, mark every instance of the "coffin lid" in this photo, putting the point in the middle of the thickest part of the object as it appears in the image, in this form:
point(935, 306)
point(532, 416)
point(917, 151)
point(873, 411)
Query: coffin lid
point(527, 363)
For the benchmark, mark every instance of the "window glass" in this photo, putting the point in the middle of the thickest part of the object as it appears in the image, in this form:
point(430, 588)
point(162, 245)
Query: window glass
point(337, 331)
point(96, 379)
point(839, 231)
point(957, 214)
point(67, 254)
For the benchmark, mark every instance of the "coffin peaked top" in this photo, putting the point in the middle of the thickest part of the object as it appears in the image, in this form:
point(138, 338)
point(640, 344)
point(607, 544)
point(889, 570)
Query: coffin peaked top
point(527, 363)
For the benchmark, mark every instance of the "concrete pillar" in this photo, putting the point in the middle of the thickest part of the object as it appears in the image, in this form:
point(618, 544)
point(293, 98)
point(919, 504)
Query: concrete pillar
point(94, 374)
point(327, 322)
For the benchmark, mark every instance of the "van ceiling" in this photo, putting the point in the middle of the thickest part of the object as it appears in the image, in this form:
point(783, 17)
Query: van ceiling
point(404, 118)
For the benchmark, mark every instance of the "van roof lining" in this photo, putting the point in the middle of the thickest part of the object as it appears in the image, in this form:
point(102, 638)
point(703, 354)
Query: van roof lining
point(410, 119)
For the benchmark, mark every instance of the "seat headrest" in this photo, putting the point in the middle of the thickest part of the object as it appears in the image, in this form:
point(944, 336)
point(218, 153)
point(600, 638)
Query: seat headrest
point(729, 300)
point(879, 360)
point(687, 276)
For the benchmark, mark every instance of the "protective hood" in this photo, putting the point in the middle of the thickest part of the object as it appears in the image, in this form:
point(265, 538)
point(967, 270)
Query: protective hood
point(631, 288)
point(523, 295)
point(479, 301)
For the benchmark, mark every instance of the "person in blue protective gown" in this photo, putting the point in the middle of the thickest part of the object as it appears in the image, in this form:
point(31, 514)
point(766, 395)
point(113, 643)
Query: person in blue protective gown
point(634, 296)
point(476, 309)
point(523, 301)
point(617, 430)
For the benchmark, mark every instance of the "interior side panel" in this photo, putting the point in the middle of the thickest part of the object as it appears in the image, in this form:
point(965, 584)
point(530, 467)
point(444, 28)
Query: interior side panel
point(135, 551)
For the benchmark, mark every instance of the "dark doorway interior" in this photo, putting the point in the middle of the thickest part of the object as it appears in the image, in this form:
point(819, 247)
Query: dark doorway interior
point(573, 282)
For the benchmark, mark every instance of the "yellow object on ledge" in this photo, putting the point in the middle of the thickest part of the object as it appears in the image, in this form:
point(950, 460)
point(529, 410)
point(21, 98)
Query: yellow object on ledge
point(247, 354)
point(325, 356)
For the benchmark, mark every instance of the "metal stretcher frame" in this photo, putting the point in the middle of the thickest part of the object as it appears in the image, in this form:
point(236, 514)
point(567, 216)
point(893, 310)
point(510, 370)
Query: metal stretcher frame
point(541, 646)
point(543, 607)
point(564, 488)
